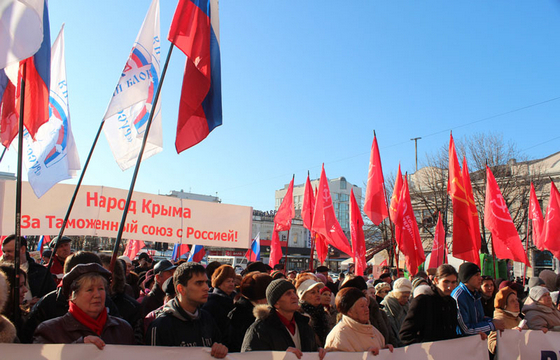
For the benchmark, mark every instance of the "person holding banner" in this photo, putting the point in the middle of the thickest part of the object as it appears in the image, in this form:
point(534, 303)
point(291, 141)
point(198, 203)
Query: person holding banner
point(539, 311)
point(506, 308)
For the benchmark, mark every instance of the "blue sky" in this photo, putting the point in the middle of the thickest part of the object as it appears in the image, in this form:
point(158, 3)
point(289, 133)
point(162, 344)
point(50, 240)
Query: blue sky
point(307, 82)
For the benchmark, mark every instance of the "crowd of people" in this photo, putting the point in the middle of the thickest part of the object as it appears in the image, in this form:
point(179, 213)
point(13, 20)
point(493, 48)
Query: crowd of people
point(188, 304)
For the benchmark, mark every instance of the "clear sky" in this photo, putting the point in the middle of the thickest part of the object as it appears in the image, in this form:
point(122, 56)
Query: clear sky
point(307, 82)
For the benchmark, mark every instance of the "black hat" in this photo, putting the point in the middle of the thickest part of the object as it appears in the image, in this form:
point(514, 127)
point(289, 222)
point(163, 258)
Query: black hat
point(79, 270)
point(258, 266)
point(63, 240)
point(356, 282)
point(144, 256)
point(321, 269)
point(276, 289)
point(467, 270)
point(169, 287)
point(47, 253)
point(163, 265)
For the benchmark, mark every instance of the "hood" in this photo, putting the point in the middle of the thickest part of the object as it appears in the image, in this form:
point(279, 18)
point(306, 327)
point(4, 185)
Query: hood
point(174, 308)
point(535, 306)
point(261, 312)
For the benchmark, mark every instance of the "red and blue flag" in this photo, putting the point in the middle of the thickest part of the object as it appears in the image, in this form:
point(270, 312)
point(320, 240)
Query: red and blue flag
point(254, 252)
point(179, 250)
point(45, 239)
point(195, 30)
point(197, 253)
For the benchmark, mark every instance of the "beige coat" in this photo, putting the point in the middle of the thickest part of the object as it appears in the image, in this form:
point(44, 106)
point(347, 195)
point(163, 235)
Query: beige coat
point(510, 322)
point(539, 316)
point(352, 336)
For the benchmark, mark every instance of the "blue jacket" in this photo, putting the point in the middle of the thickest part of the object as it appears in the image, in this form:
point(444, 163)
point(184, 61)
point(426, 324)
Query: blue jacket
point(470, 314)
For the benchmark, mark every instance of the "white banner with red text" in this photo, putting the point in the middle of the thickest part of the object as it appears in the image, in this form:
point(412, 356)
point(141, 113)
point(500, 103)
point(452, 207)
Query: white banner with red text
point(529, 344)
point(98, 211)
point(458, 349)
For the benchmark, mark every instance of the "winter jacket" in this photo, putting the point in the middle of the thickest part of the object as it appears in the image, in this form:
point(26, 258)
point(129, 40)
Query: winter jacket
point(350, 335)
point(379, 319)
point(153, 300)
point(219, 305)
point(67, 330)
point(319, 321)
point(470, 313)
point(488, 305)
point(430, 318)
point(539, 316)
point(53, 305)
point(268, 333)
point(510, 321)
point(396, 314)
point(241, 318)
point(175, 327)
point(131, 311)
point(35, 276)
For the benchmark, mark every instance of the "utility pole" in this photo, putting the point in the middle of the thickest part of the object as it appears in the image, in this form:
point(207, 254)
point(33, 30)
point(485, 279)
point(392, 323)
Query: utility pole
point(416, 150)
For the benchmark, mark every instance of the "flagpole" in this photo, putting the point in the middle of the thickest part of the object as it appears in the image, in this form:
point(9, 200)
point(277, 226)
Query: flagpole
point(17, 240)
point(138, 161)
point(3, 153)
point(312, 251)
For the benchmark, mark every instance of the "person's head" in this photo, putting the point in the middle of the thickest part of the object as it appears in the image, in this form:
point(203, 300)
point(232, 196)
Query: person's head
point(223, 278)
point(9, 246)
point(253, 286)
point(144, 260)
point(541, 296)
point(386, 277)
point(46, 256)
point(169, 290)
point(211, 267)
point(63, 249)
point(401, 290)
point(417, 281)
point(292, 274)
point(382, 289)
point(118, 280)
point(281, 295)
point(354, 281)
point(191, 285)
point(86, 286)
point(128, 264)
point(487, 286)
point(325, 296)
point(506, 299)
point(469, 274)
point(163, 270)
point(354, 304)
point(8, 270)
point(300, 278)
point(277, 275)
point(308, 292)
point(370, 289)
point(323, 270)
point(80, 257)
point(258, 266)
point(445, 279)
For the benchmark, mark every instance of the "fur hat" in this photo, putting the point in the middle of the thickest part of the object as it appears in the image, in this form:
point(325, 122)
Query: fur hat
point(276, 289)
point(346, 298)
point(254, 284)
point(221, 274)
point(500, 301)
point(467, 270)
point(537, 292)
point(535, 281)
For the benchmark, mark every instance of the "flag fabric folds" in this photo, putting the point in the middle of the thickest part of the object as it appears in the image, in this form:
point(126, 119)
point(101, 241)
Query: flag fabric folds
point(195, 30)
point(535, 214)
point(133, 247)
point(179, 250)
point(43, 240)
point(375, 204)
point(357, 233)
point(463, 246)
point(506, 243)
point(8, 112)
point(53, 156)
point(322, 247)
point(474, 227)
point(22, 30)
point(396, 195)
point(254, 252)
point(551, 228)
point(437, 256)
point(407, 234)
point(282, 222)
point(308, 205)
point(133, 99)
point(324, 219)
point(196, 254)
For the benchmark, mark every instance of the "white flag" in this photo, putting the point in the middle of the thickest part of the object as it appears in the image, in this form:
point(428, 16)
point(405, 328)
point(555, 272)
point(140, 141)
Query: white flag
point(127, 114)
point(53, 156)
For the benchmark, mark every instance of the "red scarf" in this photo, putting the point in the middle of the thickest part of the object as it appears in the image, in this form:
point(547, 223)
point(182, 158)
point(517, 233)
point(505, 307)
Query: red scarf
point(96, 325)
point(289, 324)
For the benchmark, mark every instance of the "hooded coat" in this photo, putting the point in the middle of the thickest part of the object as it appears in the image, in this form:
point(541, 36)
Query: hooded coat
point(396, 314)
point(539, 316)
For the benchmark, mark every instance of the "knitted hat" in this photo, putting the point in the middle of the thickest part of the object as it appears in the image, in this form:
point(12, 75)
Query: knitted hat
point(500, 301)
point(306, 286)
point(549, 277)
point(423, 289)
point(381, 286)
point(535, 281)
point(537, 292)
point(276, 289)
point(402, 285)
point(325, 289)
point(346, 298)
point(467, 270)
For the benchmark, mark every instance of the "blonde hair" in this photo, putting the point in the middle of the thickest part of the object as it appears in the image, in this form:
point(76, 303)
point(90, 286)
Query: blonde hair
point(84, 281)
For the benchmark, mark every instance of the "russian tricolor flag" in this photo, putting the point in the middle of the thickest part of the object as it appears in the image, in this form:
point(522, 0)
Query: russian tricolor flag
point(43, 240)
point(179, 250)
point(197, 253)
point(254, 252)
point(195, 30)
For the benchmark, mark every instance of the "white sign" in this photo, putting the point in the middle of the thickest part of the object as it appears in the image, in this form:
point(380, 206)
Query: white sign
point(529, 344)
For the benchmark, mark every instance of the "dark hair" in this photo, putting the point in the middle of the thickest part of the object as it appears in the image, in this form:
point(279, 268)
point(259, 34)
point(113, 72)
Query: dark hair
point(254, 284)
point(185, 272)
point(384, 275)
point(346, 298)
point(80, 257)
point(446, 270)
point(10, 238)
point(118, 280)
point(210, 268)
point(9, 270)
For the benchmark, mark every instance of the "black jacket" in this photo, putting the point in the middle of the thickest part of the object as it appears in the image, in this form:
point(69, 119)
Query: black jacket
point(153, 300)
point(378, 318)
point(219, 305)
point(174, 327)
point(241, 318)
point(430, 318)
point(35, 275)
point(269, 334)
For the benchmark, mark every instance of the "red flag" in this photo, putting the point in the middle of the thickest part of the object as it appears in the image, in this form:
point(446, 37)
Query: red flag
point(375, 204)
point(195, 31)
point(133, 247)
point(324, 219)
point(437, 257)
point(535, 214)
point(408, 236)
point(463, 247)
point(308, 205)
point(322, 247)
point(474, 226)
point(357, 233)
point(286, 212)
point(551, 230)
point(505, 238)
point(275, 249)
point(396, 195)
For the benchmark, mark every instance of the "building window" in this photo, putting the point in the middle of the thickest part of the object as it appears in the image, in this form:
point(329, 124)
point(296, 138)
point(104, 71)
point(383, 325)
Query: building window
point(343, 184)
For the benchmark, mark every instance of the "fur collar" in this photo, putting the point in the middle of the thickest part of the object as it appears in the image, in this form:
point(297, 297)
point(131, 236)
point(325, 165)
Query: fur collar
point(7, 330)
